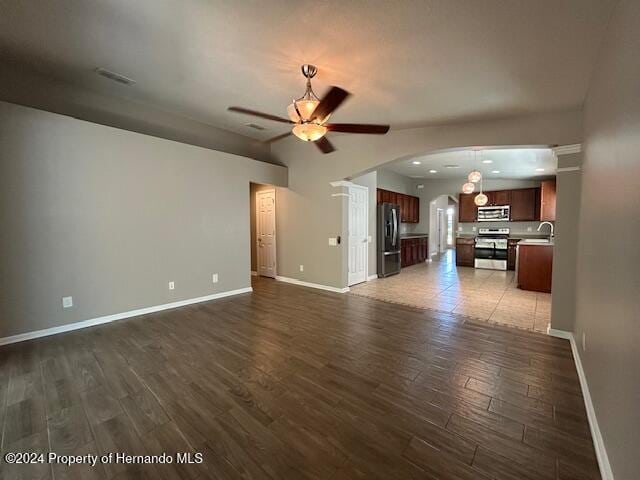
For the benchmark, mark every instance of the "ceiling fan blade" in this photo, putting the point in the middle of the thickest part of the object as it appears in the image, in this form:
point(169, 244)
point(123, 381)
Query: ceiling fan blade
point(255, 113)
point(278, 137)
point(357, 128)
point(332, 100)
point(324, 145)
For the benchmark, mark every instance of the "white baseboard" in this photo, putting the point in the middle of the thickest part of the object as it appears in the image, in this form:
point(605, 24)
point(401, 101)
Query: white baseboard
point(117, 316)
point(372, 277)
point(598, 442)
point(254, 273)
point(295, 281)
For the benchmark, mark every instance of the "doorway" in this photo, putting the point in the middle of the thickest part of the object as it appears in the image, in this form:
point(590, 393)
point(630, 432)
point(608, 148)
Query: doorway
point(266, 233)
point(439, 230)
point(358, 239)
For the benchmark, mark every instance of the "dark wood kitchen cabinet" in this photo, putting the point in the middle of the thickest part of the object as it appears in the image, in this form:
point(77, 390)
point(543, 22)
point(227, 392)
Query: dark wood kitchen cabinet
point(512, 248)
point(499, 197)
point(413, 250)
point(465, 251)
point(525, 205)
point(535, 266)
point(409, 205)
point(467, 210)
point(548, 201)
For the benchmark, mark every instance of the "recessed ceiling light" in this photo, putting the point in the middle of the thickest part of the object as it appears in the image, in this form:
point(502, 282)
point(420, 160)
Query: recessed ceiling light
point(416, 162)
point(539, 169)
point(495, 171)
point(487, 161)
point(255, 126)
point(452, 166)
point(433, 171)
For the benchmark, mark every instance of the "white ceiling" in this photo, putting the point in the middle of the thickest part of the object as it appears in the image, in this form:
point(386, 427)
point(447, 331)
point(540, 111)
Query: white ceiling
point(408, 63)
point(512, 163)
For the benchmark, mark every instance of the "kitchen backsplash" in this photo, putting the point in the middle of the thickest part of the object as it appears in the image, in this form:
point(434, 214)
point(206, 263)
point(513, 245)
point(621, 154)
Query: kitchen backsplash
point(515, 227)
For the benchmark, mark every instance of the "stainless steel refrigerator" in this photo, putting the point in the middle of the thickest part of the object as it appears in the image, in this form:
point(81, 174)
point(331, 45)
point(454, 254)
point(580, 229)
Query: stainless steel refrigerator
point(388, 239)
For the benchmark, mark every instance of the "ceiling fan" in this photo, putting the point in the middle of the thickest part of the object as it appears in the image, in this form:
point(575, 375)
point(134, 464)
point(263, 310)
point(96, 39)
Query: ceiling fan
point(309, 115)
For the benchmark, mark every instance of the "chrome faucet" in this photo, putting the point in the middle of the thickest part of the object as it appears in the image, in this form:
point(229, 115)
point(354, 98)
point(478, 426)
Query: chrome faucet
point(551, 225)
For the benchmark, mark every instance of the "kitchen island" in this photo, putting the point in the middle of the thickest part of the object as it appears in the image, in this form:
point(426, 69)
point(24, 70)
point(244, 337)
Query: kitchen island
point(534, 265)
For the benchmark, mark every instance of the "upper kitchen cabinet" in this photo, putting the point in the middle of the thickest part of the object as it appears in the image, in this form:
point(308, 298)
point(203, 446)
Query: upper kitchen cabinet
point(467, 210)
point(409, 205)
point(548, 200)
point(499, 197)
point(525, 205)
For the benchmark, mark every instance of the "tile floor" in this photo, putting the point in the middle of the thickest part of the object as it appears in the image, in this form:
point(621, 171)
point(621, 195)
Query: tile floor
point(487, 295)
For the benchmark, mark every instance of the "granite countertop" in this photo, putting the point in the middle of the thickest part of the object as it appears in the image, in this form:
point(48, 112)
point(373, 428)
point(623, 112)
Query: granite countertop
point(413, 235)
point(516, 236)
point(528, 235)
point(522, 243)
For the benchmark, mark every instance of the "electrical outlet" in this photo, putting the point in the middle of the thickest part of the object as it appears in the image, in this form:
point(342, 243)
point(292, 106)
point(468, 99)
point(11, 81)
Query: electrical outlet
point(584, 341)
point(67, 302)
point(302, 268)
point(333, 241)
point(214, 278)
point(474, 229)
point(369, 239)
point(529, 229)
point(172, 286)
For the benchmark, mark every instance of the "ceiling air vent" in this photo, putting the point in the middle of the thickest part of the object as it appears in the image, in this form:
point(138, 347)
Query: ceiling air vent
point(452, 166)
point(116, 77)
point(255, 126)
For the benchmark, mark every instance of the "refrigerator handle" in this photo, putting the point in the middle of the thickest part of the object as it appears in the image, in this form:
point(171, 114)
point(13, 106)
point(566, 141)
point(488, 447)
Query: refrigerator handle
point(395, 227)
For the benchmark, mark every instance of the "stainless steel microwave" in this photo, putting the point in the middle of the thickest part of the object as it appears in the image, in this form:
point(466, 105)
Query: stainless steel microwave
point(493, 214)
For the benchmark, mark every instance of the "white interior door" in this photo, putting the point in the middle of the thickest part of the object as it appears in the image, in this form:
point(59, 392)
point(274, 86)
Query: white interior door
point(358, 234)
point(439, 220)
point(266, 232)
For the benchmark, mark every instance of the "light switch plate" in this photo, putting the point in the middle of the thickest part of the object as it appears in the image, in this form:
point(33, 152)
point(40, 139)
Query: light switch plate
point(67, 302)
point(369, 239)
point(302, 268)
point(474, 229)
point(214, 278)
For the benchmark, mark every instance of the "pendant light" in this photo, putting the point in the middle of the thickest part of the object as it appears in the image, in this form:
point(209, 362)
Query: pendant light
point(468, 187)
point(475, 176)
point(481, 199)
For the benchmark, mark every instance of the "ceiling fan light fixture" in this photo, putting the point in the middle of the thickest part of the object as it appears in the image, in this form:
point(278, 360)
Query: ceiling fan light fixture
point(309, 132)
point(304, 106)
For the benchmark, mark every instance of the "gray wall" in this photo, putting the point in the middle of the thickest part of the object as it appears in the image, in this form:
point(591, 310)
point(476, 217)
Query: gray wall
point(565, 249)
point(47, 94)
point(110, 217)
point(395, 182)
point(312, 212)
point(608, 261)
point(370, 180)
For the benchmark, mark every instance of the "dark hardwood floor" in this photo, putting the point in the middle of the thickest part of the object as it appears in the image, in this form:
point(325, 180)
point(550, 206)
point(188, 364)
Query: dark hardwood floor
point(294, 383)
